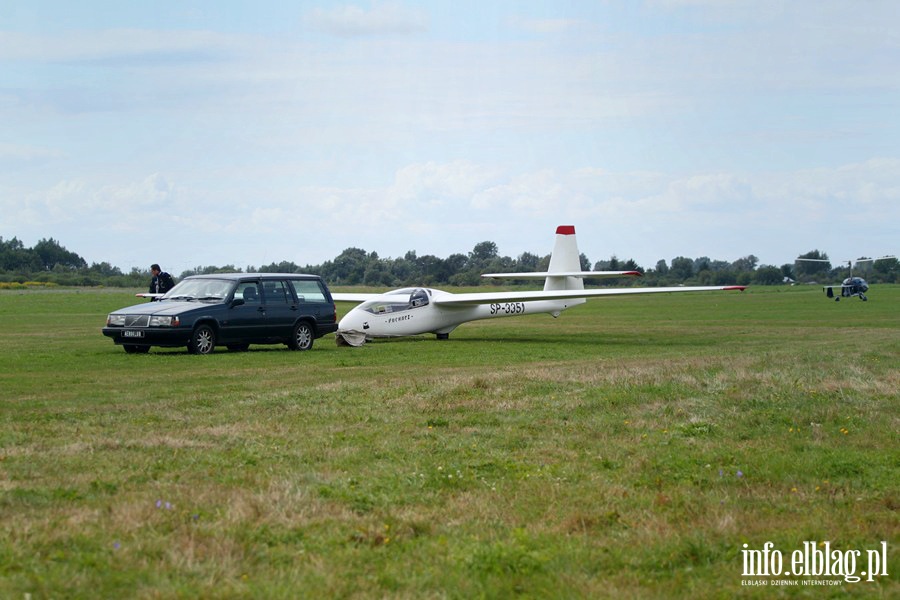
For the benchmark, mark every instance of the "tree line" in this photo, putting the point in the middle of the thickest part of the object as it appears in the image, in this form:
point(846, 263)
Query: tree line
point(49, 262)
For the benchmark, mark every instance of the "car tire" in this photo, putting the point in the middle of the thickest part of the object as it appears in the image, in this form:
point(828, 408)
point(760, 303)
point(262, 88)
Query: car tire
point(303, 336)
point(134, 349)
point(203, 340)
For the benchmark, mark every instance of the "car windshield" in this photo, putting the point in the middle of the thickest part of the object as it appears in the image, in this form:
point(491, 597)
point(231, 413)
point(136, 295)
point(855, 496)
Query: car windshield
point(215, 290)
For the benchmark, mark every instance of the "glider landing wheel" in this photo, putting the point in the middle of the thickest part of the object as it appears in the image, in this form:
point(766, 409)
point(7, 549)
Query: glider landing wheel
point(443, 336)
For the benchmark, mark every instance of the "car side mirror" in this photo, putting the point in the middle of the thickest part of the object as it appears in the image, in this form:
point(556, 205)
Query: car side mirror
point(237, 302)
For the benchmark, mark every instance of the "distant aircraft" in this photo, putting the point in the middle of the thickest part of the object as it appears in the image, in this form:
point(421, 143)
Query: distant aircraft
point(416, 311)
point(852, 286)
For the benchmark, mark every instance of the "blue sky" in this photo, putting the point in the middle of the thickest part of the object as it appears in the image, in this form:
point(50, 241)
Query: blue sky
point(198, 133)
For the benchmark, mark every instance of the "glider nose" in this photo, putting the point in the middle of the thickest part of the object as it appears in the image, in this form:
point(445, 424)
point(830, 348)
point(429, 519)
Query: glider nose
point(353, 321)
point(351, 329)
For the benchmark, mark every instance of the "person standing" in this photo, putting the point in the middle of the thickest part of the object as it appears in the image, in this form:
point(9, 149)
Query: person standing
point(162, 282)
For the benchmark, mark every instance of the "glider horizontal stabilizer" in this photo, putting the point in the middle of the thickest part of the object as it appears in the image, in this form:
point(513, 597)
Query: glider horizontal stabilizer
point(580, 274)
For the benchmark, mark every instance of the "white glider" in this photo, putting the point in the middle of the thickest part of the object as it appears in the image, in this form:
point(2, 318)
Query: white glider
point(416, 311)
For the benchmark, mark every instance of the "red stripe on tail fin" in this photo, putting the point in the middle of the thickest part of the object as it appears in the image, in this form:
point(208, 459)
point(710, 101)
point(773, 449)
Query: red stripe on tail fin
point(565, 230)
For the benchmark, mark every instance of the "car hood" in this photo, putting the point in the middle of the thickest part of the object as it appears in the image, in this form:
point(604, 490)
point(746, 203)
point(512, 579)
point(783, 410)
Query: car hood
point(164, 307)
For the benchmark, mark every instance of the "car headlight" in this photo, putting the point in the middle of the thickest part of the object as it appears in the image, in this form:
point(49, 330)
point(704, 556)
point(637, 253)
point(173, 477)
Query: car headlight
point(160, 321)
point(115, 320)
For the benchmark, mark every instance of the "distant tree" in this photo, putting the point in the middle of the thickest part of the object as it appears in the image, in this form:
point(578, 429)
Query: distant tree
point(376, 274)
point(281, 267)
point(105, 269)
point(51, 254)
point(208, 270)
point(401, 270)
point(768, 275)
point(616, 264)
point(631, 265)
point(482, 253)
point(662, 268)
point(817, 266)
point(584, 262)
point(349, 267)
point(682, 268)
point(432, 270)
point(608, 265)
point(15, 257)
point(527, 262)
point(465, 278)
point(745, 264)
point(726, 277)
point(701, 264)
point(454, 264)
point(887, 270)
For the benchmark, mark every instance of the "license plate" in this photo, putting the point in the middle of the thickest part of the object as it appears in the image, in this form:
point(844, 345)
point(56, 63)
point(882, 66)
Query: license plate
point(132, 334)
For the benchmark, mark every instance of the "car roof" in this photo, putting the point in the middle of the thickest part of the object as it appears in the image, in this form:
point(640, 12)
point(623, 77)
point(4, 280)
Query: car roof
point(237, 276)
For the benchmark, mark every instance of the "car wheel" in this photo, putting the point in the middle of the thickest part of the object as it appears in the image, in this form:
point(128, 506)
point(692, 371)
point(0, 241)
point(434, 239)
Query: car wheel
point(303, 337)
point(203, 340)
point(133, 349)
point(238, 347)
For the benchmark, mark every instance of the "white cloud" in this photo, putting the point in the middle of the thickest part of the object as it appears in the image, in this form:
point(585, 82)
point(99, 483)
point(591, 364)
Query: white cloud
point(433, 183)
point(384, 18)
point(546, 26)
point(110, 45)
point(27, 152)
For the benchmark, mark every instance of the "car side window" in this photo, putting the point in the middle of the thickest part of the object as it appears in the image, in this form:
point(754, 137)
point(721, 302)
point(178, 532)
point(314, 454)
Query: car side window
point(275, 292)
point(248, 291)
point(309, 290)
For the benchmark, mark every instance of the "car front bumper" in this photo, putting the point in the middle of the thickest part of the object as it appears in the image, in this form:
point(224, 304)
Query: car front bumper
point(146, 336)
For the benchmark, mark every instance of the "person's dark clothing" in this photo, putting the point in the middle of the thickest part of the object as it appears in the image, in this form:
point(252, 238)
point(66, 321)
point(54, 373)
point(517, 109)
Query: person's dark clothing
point(162, 283)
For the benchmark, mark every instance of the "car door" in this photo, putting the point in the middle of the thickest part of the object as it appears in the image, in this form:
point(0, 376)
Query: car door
point(246, 320)
point(281, 309)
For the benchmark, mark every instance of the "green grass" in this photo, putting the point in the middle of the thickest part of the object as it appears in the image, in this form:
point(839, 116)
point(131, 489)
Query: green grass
point(629, 448)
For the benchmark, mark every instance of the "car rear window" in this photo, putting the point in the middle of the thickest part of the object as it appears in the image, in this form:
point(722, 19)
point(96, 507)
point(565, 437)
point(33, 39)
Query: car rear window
point(309, 290)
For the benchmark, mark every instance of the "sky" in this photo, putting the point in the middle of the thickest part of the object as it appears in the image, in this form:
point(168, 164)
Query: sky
point(215, 132)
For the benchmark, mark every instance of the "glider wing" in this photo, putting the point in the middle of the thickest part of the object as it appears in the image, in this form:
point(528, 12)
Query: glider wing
point(492, 297)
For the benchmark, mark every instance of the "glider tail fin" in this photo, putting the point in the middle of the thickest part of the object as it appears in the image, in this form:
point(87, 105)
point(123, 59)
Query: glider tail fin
point(564, 259)
point(564, 271)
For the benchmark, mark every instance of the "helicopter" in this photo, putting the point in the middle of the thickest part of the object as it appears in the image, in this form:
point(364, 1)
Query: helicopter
point(851, 286)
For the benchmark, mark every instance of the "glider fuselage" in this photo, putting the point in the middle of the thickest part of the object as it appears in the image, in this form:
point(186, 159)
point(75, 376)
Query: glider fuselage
point(413, 311)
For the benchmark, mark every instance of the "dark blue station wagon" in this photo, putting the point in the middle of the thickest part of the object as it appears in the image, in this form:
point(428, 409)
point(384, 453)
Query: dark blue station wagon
point(231, 309)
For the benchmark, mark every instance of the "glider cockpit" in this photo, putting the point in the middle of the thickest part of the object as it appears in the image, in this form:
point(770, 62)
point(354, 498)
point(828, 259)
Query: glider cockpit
point(397, 301)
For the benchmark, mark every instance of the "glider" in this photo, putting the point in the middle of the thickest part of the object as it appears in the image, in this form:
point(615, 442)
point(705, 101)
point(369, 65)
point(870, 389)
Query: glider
point(416, 311)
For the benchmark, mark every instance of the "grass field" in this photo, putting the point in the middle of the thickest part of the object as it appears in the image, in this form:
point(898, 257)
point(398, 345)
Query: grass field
point(629, 448)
